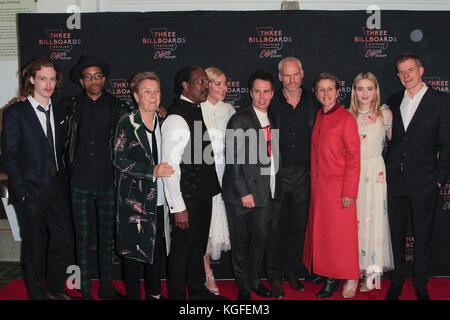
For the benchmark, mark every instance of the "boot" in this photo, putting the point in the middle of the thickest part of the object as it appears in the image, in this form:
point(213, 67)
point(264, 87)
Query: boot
point(331, 285)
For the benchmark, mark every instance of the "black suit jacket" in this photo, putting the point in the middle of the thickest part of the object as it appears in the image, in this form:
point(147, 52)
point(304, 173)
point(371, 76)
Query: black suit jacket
point(413, 154)
point(25, 150)
point(249, 170)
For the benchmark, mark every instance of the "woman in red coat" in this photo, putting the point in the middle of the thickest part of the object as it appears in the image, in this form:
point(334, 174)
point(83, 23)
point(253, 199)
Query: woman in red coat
point(331, 241)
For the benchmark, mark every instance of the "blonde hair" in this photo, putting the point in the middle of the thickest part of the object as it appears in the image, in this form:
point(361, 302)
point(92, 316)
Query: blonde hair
point(213, 73)
point(375, 104)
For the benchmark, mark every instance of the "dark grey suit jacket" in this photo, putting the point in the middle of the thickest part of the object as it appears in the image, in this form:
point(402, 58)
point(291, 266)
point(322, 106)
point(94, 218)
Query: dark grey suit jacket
point(247, 168)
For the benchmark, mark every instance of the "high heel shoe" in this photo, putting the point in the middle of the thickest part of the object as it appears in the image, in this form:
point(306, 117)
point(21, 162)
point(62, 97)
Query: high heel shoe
point(210, 284)
point(364, 287)
point(331, 285)
point(347, 292)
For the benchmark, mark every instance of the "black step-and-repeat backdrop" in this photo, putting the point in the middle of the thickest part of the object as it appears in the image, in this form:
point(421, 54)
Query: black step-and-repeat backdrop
point(341, 42)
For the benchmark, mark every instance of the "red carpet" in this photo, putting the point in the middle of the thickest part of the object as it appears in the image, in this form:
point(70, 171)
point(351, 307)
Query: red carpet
point(438, 288)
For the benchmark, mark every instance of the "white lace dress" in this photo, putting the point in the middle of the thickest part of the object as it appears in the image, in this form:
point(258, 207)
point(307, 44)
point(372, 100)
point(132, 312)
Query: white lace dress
point(216, 118)
point(375, 249)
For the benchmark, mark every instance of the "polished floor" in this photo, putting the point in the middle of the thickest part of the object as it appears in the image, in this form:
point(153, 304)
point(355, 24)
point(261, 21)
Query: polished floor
point(9, 271)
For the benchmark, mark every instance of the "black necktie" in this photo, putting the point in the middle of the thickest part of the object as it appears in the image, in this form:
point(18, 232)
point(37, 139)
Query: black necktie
point(154, 145)
point(53, 169)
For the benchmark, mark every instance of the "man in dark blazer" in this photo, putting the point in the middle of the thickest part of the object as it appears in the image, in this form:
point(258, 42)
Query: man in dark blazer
point(249, 184)
point(417, 165)
point(33, 140)
point(294, 111)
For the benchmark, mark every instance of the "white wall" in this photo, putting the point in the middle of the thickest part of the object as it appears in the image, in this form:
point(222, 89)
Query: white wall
point(9, 80)
point(182, 5)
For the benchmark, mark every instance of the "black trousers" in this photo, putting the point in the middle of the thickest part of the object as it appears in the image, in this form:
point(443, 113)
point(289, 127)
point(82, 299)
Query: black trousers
point(419, 205)
point(288, 227)
point(249, 229)
point(187, 250)
point(132, 269)
point(48, 240)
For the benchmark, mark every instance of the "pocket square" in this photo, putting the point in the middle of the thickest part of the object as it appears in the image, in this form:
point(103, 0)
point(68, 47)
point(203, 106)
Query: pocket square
point(62, 122)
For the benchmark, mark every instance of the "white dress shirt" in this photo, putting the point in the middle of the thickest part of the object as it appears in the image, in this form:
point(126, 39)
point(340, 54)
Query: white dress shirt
point(409, 105)
point(175, 135)
point(159, 182)
point(43, 120)
point(264, 121)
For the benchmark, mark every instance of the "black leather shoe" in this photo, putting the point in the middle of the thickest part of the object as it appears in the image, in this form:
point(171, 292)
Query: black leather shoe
point(150, 297)
point(110, 294)
point(277, 290)
point(295, 284)
point(331, 286)
point(393, 293)
point(244, 295)
point(207, 295)
point(262, 291)
point(422, 294)
point(86, 295)
point(57, 296)
point(316, 279)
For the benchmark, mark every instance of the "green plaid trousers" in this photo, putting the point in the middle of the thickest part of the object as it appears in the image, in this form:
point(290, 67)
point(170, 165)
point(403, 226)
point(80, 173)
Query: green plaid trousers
point(105, 204)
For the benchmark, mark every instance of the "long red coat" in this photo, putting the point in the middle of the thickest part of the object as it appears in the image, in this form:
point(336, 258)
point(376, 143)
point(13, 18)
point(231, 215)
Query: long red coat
point(331, 240)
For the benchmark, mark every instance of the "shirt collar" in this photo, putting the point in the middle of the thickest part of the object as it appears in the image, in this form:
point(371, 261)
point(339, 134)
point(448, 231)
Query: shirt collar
point(186, 99)
point(35, 104)
point(418, 94)
point(336, 106)
point(89, 99)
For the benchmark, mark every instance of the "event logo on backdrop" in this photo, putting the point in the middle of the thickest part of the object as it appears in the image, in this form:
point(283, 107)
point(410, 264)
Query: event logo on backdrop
point(164, 42)
point(409, 247)
point(445, 196)
point(345, 90)
point(234, 92)
point(119, 89)
point(436, 83)
point(60, 43)
point(375, 42)
point(271, 41)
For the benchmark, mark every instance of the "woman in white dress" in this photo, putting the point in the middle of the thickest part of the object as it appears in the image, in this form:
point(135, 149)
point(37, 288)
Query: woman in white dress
point(374, 126)
point(216, 114)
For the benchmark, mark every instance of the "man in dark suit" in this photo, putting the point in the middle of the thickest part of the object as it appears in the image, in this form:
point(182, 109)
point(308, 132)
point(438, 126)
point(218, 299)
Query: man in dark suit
point(249, 184)
point(33, 139)
point(294, 111)
point(190, 190)
point(417, 165)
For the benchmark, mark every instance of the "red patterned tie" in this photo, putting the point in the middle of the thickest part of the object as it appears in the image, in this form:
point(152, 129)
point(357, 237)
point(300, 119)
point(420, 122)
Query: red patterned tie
point(268, 135)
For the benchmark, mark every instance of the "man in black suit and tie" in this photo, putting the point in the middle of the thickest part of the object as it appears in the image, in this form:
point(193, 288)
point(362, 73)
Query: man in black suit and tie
point(249, 184)
point(417, 165)
point(33, 140)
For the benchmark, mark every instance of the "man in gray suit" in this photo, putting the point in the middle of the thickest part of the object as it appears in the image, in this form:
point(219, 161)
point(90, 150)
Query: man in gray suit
point(249, 184)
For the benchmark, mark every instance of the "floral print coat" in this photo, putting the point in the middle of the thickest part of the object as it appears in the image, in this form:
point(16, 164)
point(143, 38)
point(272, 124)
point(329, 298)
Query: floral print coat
point(137, 191)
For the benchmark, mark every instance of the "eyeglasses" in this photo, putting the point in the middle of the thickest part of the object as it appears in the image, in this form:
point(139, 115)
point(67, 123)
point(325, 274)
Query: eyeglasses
point(92, 76)
point(201, 81)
